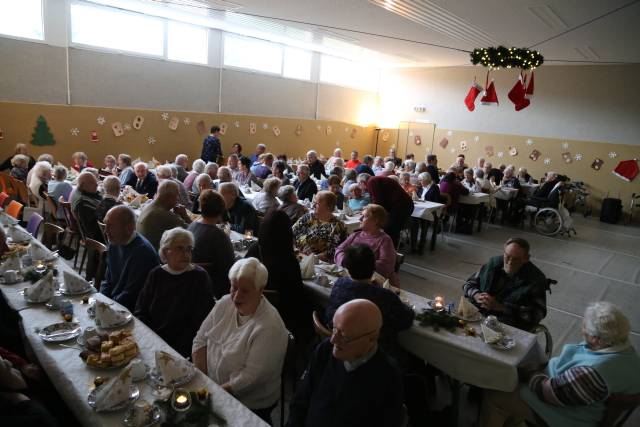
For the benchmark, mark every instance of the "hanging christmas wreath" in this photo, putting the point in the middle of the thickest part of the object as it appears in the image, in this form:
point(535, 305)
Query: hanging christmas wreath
point(502, 57)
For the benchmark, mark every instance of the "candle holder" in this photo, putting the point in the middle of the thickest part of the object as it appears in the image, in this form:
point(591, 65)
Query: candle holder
point(180, 400)
point(248, 234)
point(438, 303)
point(40, 267)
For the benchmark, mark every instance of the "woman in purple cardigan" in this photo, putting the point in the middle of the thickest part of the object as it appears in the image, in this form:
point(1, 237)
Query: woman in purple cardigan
point(371, 234)
point(451, 186)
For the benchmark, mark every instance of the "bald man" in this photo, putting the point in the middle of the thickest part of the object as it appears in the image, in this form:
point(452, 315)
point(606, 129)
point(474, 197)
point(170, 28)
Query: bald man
point(129, 259)
point(349, 381)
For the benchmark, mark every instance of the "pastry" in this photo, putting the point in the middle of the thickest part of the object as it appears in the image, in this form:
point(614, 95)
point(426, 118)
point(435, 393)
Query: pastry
point(106, 346)
point(114, 337)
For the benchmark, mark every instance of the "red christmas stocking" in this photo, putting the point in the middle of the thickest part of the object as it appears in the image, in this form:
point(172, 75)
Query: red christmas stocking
point(470, 100)
point(517, 92)
point(524, 103)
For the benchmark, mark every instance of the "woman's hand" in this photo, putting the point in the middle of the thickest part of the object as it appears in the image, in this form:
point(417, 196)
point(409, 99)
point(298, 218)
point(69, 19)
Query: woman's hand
point(200, 359)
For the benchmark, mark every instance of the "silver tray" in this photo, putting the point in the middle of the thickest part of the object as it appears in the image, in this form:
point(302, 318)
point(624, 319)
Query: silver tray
point(156, 379)
point(59, 332)
point(134, 394)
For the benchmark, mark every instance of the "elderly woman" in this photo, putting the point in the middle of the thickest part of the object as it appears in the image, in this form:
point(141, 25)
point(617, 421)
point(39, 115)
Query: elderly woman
point(358, 199)
point(242, 343)
point(350, 177)
point(374, 218)
point(40, 182)
point(20, 168)
point(469, 182)
point(573, 389)
point(331, 163)
point(290, 206)
point(320, 232)
point(405, 183)
point(524, 176)
point(212, 245)
point(427, 191)
point(59, 187)
point(79, 161)
point(333, 185)
point(245, 177)
point(266, 199)
point(177, 296)
point(20, 149)
point(196, 169)
point(111, 194)
point(109, 167)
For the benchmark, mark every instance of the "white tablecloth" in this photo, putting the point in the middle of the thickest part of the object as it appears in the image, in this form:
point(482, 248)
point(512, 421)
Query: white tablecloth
point(425, 210)
point(505, 193)
point(465, 358)
point(474, 199)
point(529, 188)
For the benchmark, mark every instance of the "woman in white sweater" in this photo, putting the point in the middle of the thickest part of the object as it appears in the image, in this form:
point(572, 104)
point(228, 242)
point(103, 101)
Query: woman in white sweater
point(242, 343)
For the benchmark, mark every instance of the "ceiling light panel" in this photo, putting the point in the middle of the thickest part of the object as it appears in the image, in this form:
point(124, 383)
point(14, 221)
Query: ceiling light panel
point(548, 17)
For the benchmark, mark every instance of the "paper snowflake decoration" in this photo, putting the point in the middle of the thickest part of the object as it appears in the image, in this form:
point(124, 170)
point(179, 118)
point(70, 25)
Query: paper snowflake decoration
point(236, 124)
point(75, 131)
point(151, 140)
point(565, 145)
point(476, 138)
point(127, 126)
point(577, 157)
point(101, 120)
point(449, 132)
point(613, 154)
point(453, 150)
point(165, 116)
point(346, 130)
point(265, 126)
point(547, 161)
point(500, 154)
point(529, 141)
point(186, 121)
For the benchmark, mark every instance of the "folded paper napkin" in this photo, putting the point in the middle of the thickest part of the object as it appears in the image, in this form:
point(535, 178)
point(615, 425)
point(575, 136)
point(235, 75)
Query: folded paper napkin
point(347, 210)
point(466, 309)
point(73, 282)
point(107, 316)
point(255, 187)
point(114, 392)
point(17, 235)
point(7, 220)
point(42, 290)
point(308, 266)
point(12, 263)
point(490, 336)
point(171, 368)
point(38, 252)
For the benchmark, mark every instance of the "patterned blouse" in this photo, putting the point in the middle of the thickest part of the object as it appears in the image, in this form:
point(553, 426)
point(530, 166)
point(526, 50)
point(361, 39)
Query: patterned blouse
point(319, 235)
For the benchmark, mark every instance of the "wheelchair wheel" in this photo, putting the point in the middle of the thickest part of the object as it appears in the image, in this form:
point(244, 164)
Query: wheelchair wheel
point(548, 222)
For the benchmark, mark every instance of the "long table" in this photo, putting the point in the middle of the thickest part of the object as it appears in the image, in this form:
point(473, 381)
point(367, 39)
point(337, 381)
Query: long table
point(430, 211)
point(476, 200)
point(73, 379)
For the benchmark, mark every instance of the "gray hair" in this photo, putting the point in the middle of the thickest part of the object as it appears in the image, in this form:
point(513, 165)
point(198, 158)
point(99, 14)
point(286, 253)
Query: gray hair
point(285, 192)
point(312, 153)
point(227, 186)
point(468, 171)
point(363, 177)
point(479, 173)
point(353, 187)
point(410, 164)
point(59, 173)
point(606, 321)
point(167, 187)
point(169, 237)
point(424, 176)
point(351, 174)
point(261, 146)
point(389, 166)
point(211, 167)
point(552, 174)
point(336, 151)
point(271, 185)
point(404, 175)
point(421, 167)
point(174, 170)
point(203, 177)
point(338, 162)
point(111, 185)
point(20, 158)
point(181, 157)
point(163, 172)
point(224, 174)
point(304, 168)
point(42, 169)
point(198, 165)
point(250, 269)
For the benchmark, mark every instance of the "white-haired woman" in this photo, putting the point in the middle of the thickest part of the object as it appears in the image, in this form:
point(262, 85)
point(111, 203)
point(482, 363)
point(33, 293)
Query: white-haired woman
point(290, 206)
point(242, 343)
point(110, 196)
point(178, 295)
point(266, 199)
point(389, 169)
point(39, 184)
point(20, 167)
point(196, 169)
point(576, 384)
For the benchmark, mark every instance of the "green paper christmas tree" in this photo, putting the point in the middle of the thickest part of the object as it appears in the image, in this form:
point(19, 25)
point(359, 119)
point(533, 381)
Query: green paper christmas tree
point(42, 135)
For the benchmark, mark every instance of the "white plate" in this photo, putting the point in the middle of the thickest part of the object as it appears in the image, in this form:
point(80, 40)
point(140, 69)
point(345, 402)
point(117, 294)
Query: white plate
point(130, 422)
point(156, 379)
point(505, 344)
point(19, 279)
point(127, 319)
point(134, 394)
point(59, 332)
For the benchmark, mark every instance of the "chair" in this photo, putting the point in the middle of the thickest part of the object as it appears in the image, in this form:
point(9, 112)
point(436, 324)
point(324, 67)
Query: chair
point(6, 186)
point(272, 296)
point(3, 198)
point(71, 227)
point(617, 409)
point(53, 208)
point(541, 330)
point(289, 365)
point(103, 229)
point(321, 330)
point(101, 249)
point(14, 209)
point(399, 261)
point(33, 226)
point(22, 192)
point(52, 236)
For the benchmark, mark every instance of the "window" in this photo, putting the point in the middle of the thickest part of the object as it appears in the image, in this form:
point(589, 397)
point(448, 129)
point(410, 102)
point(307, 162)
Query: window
point(22, 19)
point(348, 73)
point(187, 43)
point(115, 29)
point(297, 63)
point(253, 54)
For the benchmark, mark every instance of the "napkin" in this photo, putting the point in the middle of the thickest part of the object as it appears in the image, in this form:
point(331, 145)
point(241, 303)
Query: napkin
point(466, 309)
point(490, 336)
point(114, 392)
point(12, 263)
point(255, 187)
point(17, 235)
point(347, 210)
point(308, 266)
point(73, 282)
point(37, 252)
point(171, 368)
point(42, 290)
point(107, 316)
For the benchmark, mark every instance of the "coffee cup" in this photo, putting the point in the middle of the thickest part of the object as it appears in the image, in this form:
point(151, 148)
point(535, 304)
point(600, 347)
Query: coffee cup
point(322, 280)
point(141, 410)
point(11, 276)
point(89, 332)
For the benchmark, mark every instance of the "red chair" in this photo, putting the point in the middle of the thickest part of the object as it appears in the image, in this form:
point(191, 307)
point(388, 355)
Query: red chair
point(14, 208)
point(3, 198)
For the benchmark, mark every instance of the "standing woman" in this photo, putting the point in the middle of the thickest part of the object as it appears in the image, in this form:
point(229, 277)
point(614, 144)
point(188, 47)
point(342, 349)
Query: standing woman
point(211, 146)
point(391, 196)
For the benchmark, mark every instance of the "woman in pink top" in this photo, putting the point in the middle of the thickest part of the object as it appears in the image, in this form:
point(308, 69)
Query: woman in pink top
point(371, 234)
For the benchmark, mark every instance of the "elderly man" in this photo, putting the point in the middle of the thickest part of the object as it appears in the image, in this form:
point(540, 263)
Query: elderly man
point(349, 381)
point(305, 187)
point(232, 164)
point(143, 181)
point(491, 173)
point(211, 146)
point(240, 214)
point(163, 213)
point(315, 165)
point(164, 172)
point(181, 164)
point(130, 257)
point(260, 149)
point(353, 162)
point(290, 205)
point(263, 169)
point(111, 187)
point(202, 182)
point(210, 169)
point(224, 175)
point(432, 168)
point(85, 201)
point(366, 166)
point(576, 384)
point(510, 287)
point(397, 161)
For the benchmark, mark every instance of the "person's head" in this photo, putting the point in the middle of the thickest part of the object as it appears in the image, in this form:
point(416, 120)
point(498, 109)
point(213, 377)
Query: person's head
point(338, 171)
point(232, 161)
point(271, 186)
point(215, 130)
point(111, 186)
point(87, 182)
point(338, 162)
point(120, 224)
point(46, 158)
point(176, 246)
point(354, 155)
point(182, 160)
point(124, 161)
point(267, 160)
point(604, 326)
point(198, 166)
point(60, 173)
point(552, 176)
point(360, 261)
point(141, 170)
point(211, 204)
point(420, 167)
point(368, 160)
point(109, 162)
point(374, 218)
point(356, 191)
point(282, 157)
point(508, 171)
point(389, 166)
point(204, 182)
point(432, 159)
point(287, 193)
point(409, 166)
point(362, 179)
point(522, 173)
point(260, 148)
point(79, 158)
point(356, 327)
point(502, 167)
point(325, 204)
point(337, 153)
point(236, 149)
point(468, 174)
point(334, 184)
point(224, 174)
point(248, 278)
point(425, 179)
point(275, 235)
point(168, 194)
point(229, 191)
point(22, 149)
point(479, 173)
point(480, 162)
point(20, 161)
point(278, 168)
point(378, 162)
point(245, 164)
point(312, 156)
point(460, 161)
point(174, 171)
point(449, 176)
point(351, 175)
point(303, 172)
point(405, 178)
point(487, 167)
point(211, 169)
point(516, 255)
point(163, 172)
point(392, 153)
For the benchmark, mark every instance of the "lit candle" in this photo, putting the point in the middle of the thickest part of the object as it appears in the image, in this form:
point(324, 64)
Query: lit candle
point(181, 400)
point(248, 234)
point(439, 303)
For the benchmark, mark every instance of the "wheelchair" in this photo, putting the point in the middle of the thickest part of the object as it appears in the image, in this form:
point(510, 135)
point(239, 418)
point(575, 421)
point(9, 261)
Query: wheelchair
point(550, 216)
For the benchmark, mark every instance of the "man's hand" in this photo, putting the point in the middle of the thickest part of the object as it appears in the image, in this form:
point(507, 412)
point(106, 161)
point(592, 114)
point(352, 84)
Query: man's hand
point(488, 302)
point(182, 211)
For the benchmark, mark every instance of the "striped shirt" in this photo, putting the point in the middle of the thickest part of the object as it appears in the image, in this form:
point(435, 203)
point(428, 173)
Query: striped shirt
point(580, 385)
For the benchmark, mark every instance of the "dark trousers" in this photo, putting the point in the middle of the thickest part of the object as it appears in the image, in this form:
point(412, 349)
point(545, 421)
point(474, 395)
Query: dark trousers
point(422, 226)
point(265, 414)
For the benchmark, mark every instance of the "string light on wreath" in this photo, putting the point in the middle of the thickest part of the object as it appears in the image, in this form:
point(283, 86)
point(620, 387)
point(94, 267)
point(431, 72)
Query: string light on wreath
point(502, 57)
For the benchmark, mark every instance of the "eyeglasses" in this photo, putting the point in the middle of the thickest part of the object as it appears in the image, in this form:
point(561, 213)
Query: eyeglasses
point(342, 340)
point(183, 249)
